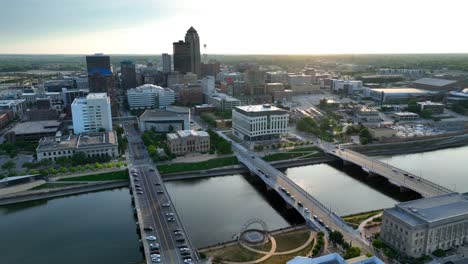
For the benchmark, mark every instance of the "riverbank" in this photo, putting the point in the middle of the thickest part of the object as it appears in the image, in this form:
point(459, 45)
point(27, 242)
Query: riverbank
point(239, 168)
point(40, 194)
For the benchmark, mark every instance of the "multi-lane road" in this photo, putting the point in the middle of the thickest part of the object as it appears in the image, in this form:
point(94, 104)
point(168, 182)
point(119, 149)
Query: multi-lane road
point(154, 207)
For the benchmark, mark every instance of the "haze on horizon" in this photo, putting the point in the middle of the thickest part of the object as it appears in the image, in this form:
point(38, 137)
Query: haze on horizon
point(233, 27)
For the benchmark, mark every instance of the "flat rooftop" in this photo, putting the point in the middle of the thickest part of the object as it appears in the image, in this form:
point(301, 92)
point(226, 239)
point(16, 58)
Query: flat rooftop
point(430, 103)
point(35, 127)
point(400, 90)
point(433, 209)
point(434, 82)
point(187, 133)
point(78, 141)
point(259, 108)
point(157, 113)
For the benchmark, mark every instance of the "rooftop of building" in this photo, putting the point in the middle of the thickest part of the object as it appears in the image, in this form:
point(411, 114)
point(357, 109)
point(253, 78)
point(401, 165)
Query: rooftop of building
point(430, 103)
point(434, 82)
point(91, 96)
point(405, 114)
point(11, 101)
point(432, 209)
point(400, 90)
point(101, 71)
point(34, 127)
point(260, 108)
point(78, 141)
point(155, 113)
point(223, 96)
point(187, 133)
point(148, 88)
point(335, 258)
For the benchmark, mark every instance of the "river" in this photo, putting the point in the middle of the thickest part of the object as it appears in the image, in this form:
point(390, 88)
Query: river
point(93, 228)
point(99, 227)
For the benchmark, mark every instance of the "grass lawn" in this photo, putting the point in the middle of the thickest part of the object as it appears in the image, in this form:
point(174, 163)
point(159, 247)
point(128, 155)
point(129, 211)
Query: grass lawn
point(356, 219)
point(53, 185)
point(294, 153)
point(203, 165)
point(288, 241)
point(109, 176)
point(233, 253)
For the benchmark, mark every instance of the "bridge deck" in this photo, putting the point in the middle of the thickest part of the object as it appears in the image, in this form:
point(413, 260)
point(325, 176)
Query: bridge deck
point(395, 175)
point(153, 203)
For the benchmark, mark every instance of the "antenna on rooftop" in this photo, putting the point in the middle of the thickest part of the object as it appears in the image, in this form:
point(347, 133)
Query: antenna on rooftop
point(205, 55)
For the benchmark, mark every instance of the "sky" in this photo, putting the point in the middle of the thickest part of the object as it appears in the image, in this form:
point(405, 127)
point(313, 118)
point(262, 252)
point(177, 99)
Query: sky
point(234, 26)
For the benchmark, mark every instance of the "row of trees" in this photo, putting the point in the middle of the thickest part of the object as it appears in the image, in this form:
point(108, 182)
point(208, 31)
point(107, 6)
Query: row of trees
point(219, 144)
point(323, 129)
point(336, 237)
point(208, 118)
point(12, 148)
point(153, 141)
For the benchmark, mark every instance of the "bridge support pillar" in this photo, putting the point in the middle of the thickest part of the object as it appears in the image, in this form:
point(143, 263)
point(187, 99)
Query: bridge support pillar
point(289, 207)
point(252, 173)
point(404, 189)
point(346, 163)
point(372, 174)
point(269, 189)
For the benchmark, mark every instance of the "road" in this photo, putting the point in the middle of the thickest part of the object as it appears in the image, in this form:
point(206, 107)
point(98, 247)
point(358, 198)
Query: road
point(154, 206)
point(393, 174)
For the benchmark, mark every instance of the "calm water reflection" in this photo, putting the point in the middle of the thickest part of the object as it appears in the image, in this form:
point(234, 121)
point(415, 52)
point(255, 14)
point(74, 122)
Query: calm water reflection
point(89, 228)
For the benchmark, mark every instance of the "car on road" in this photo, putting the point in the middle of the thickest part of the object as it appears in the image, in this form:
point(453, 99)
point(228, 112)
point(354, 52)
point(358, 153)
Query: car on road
point(292, 198)
point(156, 260)
point(148, 228)
point(136, 179)
point(166, 205)
point(180, 239)
point(169, 214)
point(157, 183)
point(154, 245)
point(139, 192)
point(155, 251)
point(176, 230)
point(315, 217)
point(151, 238)
point(171, 219)
point(307, 210)
point(299, 204)
point(321, 222)
point(183, 246)
point(160, 192)
point(178, 233)
point(151, 169)
point(137, 185)
point(328, 228)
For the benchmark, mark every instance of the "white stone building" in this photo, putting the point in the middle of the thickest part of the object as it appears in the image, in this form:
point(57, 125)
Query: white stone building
point(259, 123)
point(150, 96)
point(92, 113)
point(188, 141)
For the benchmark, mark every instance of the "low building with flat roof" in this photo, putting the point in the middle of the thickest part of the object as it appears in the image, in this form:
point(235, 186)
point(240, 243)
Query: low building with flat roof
point(419, 227)
point(382, 132)
point(222, 102)
point(188, 141)
point(437, 85)
point(436, 108)
point(335, 258)
point(33, 130)
point(164, 120)
point(92, 144)
point(405, 116)
point(397, 95)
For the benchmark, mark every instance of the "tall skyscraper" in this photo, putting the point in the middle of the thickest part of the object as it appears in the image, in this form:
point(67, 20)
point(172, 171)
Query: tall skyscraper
point(128, 75)
point(101, 79)
point(182, 58)
point(195, 58)
point(166, 62)
point(92, 113)
point(187, 54)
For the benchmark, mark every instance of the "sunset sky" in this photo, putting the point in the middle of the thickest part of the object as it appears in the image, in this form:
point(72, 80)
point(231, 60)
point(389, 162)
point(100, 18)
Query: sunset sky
point(234, 27)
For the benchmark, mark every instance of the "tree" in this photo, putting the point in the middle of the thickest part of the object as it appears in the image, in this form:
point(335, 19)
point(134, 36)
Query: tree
point(377, 243)
point(336, 237)
point(426, 113)
point(365, 136)
point(170, 128)
point(224, 147)
point(352, 252)
point(62, 170)
point(413, 106)
point(9, 165)
point(62, 161)
point(79, 158)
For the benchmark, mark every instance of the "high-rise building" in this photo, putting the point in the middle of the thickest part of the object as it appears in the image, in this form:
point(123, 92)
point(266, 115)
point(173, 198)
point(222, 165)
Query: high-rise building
point(210, 69)
point(195, 58)
point(182, 57)
point(100, 78)
point(98, 61)
point(150, 96)
point(187, 56)
point(166, 62)
point(92, 113)
point(128, 75)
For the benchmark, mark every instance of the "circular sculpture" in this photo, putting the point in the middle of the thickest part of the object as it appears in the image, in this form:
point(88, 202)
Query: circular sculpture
point(254, 236)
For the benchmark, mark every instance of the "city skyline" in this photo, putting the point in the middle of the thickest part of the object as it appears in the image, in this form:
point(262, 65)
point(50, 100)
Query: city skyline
point(260, 27)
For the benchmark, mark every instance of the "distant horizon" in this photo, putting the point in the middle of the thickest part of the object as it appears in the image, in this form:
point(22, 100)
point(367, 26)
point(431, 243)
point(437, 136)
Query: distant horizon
point(231, 54)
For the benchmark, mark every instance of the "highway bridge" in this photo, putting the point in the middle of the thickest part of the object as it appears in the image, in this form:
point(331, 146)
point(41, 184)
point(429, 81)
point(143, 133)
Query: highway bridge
point(294, 195)
point(154, 207)
point(395, 175)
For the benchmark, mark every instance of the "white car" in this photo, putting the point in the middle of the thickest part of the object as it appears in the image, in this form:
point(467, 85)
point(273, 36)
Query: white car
point(151, 238)
point(169, 214)
point(155, 256)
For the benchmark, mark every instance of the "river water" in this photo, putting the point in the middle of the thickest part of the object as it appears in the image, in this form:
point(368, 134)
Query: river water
point(99, 227)
point(92, 228)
